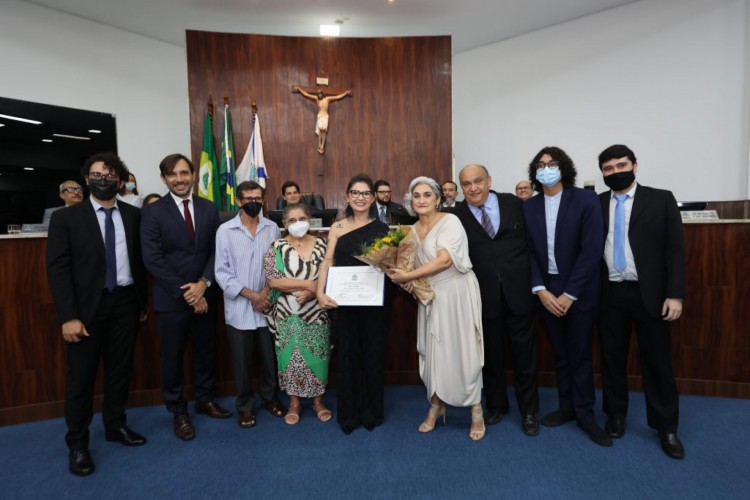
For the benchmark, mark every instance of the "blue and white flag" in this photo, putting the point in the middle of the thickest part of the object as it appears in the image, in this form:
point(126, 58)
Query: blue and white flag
point(253, 166)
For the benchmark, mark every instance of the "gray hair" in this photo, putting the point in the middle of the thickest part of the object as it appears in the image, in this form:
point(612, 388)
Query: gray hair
point(413, 184)
point(62, 186)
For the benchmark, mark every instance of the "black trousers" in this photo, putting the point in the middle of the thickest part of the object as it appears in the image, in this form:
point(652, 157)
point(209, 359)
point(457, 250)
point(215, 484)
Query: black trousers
point(242, 344)
point(111, 337)
point(624, 308)
point(518, 331)
point(361, 333)
point(175, 328)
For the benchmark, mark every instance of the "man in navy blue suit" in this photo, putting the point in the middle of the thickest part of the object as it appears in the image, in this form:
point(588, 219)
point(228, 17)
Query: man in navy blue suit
point(566, 241)
point(178, 238)
point(644, 276)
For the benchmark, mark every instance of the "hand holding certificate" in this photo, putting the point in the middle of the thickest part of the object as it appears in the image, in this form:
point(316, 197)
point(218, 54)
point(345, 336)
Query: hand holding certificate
point(355, 285)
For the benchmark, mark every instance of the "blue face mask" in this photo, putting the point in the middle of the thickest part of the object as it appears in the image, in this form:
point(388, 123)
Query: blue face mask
point(130, 186)
point(548, 177)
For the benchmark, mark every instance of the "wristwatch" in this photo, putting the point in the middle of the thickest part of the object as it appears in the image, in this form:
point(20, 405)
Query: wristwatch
point(206, 281)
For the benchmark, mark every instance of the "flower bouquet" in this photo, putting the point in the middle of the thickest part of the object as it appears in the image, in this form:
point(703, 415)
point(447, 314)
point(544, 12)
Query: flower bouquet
point(396, 249)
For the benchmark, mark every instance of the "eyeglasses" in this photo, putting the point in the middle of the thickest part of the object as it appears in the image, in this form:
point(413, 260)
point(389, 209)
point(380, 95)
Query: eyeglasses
point(72, 190)
point(360, 194)
point(97, 176)
point(301, 219)
point(553, 165)
point(256, 199)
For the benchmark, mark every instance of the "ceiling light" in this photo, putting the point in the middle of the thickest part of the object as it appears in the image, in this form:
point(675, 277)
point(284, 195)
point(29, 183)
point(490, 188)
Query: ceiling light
point(28, 168)
point(46, 140)
point(25, 120)
point(72, 137)
point(2, 124)
point(94, 131)
point(330, 29)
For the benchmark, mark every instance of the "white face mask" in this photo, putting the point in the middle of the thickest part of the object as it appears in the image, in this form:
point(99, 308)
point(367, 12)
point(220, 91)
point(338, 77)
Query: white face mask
point(299, 228)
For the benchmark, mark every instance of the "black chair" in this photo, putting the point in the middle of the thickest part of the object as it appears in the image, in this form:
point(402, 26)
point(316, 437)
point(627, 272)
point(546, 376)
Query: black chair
point(312, 200)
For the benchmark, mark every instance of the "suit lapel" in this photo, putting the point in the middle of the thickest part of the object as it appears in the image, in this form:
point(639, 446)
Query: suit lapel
point(565, 202)
point(197, 219)
point(504, 210)
point(91, 222)
point(605, 201)
point(469, 215)
point(640, 201)
point(174, 212)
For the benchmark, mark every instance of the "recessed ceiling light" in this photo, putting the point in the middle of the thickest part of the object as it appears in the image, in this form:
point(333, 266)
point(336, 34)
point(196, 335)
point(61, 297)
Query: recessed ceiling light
point(72, 137)
point(28, 168)
point(25, 120)
point(2, 124)
point(330, 29)
point(94, 131)
point(46, 140)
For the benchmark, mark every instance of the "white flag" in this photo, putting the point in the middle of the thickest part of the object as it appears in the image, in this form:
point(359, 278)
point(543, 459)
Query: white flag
point(253, 166)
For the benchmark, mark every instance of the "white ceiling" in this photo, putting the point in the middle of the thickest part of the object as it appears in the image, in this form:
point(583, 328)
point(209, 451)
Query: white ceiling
point(472, 23)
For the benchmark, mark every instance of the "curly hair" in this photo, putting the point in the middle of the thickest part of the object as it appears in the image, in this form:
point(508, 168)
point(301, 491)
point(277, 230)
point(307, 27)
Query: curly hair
point(567, 167)
point(416, 182)
point(111, 161)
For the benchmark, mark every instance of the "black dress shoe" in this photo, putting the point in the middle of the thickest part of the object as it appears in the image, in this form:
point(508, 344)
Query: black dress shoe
point(212, 409)
point(596, 433)
point(615, 427)
point(183, 427)
point(492, 417)
point(557, 418)
point(125, 435)
point(530, 425)
point(671, 445)
point(80, 462)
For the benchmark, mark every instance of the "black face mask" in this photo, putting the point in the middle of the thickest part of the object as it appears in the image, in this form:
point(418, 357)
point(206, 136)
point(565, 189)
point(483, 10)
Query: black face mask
point(620, 180)
point(252, 209)
point(103, 189)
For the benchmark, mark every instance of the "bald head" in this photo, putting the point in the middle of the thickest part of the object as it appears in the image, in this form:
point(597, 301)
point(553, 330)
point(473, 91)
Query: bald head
point(524, 190)
point(475, 183)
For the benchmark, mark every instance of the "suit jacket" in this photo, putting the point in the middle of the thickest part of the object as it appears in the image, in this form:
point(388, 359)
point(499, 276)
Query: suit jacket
point(171, 256)
point(579, 244)
point(500, 263)
point(76, 263)
point(657, 239)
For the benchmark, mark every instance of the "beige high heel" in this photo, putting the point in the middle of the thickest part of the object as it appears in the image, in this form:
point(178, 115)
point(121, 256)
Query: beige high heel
point(476, 431)
point(436, 411)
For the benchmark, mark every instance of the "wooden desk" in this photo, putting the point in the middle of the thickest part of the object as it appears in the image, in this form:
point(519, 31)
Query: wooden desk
point(711, 342)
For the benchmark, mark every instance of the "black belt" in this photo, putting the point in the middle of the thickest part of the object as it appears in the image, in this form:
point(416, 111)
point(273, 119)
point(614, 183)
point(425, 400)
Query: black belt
point(624, 282)
point(119, 289)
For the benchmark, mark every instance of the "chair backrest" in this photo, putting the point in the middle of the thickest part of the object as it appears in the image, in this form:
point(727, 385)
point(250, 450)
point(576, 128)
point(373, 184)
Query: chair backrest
point(313, 200)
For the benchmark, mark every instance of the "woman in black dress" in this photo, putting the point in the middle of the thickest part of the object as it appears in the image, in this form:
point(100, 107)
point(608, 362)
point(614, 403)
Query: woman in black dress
point(361, 331)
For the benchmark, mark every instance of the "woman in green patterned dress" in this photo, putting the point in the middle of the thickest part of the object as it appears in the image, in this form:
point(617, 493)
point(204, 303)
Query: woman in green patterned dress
point(300, 327)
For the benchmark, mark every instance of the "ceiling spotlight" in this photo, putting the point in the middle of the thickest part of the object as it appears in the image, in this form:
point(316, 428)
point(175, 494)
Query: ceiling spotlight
point(25, 120)
point(28, 168)
point(46, 140)
point(2, 124)
point(94, 131)
point(72, 137)
point(330, 29)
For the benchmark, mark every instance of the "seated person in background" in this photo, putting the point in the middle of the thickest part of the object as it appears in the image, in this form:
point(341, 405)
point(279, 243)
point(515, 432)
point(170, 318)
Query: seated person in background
point(129, 192)
point(291, 193)
point(449, 190)
point(150, 198)
point(385, 207)
point(71, 193)
point(524, 190)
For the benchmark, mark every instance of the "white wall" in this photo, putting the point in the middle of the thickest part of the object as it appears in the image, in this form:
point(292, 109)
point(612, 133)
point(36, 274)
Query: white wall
point(666, 77)
point(54, 58)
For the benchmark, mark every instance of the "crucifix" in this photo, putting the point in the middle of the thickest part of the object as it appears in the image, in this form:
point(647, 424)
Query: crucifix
point(323, 99)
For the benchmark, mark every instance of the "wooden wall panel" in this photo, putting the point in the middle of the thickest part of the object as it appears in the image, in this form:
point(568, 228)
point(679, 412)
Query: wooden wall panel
point(397, 124)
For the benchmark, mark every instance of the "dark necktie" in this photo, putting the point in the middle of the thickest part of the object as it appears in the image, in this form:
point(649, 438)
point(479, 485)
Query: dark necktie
point(189, 219)
point(383, 217)
point(486, 222)
point(619, 243)
point(110, 278)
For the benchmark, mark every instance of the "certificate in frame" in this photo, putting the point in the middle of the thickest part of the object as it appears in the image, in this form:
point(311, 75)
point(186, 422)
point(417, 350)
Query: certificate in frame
point(356, 285)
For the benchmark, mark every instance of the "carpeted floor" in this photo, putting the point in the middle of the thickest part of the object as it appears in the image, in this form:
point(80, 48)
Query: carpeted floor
point(316, 460)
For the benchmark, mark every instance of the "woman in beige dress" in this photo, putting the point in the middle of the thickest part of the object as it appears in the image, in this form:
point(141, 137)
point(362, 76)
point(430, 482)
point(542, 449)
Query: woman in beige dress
point(449, 331)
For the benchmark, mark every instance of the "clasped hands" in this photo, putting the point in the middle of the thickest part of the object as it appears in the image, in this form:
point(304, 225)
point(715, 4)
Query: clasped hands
point(401, 278)
point(557, 306)
point(261, 300)
point(194, 296)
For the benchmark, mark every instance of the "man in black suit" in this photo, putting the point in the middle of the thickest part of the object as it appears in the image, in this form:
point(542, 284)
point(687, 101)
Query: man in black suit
point(389, 212)
point(644, 269)
point(178, 238)
point(99, 288)
point(501, 264)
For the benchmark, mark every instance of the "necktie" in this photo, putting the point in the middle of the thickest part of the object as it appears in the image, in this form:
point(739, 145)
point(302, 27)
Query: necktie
point(110, 278)
point(486, 222)
point(619, 244)
point(383, 217)
point(189, 219)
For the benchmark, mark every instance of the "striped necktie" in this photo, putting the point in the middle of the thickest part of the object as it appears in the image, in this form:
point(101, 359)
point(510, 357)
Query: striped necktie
point(486, 222)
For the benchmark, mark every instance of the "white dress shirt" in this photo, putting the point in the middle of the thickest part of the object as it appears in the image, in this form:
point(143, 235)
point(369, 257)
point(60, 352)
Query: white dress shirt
point(630, 273)
point(124, 275)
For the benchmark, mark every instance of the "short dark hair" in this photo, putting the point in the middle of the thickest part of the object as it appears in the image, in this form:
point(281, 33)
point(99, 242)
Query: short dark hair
point(297, 206)
point(381, 182)
point(246, 186)
point(455, 186)
point(567, 167)
point(170, 162)
point(366, 179)
point(153, 196)
point(616, 151)
point(289, 184)
point(110, 160)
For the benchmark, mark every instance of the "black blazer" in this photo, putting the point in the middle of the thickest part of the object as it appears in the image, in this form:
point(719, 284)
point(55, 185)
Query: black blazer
point(171, 256)
point(657, 239)
point(76, 264)
point(501, 262)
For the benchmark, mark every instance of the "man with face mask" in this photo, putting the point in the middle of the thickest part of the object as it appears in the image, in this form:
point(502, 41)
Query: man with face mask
point(241, 244)
point(644, 270)
point(99, 288)
point(566, 241)
point(178, 239)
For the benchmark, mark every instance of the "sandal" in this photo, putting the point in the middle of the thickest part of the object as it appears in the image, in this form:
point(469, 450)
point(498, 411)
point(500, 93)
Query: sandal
point(436, 411)
point(476, 432)
point(324, 414)
point(292, 414)
point(274, 407)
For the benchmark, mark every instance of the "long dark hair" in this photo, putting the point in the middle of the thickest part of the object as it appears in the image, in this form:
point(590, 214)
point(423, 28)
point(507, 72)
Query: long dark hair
point(366, 179)
point(567, 168)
